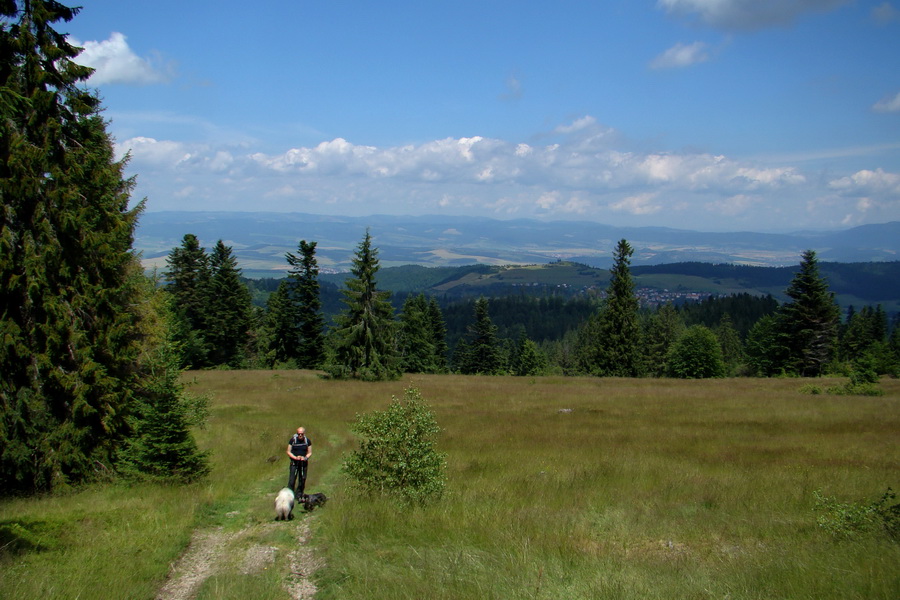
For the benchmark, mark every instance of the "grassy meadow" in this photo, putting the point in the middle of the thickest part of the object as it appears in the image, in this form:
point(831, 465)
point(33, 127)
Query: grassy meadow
point(558, 488)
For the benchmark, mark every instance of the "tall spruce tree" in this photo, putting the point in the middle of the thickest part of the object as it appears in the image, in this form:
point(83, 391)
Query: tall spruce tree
point(661, 330)
point(480, 350)
point(415, 339)
point(438, 330)
point(188, 276)
point(228, 313)
point(363, 344)
point(611, 343)
point(808, 324)
point(306, 307)
point(70, 285)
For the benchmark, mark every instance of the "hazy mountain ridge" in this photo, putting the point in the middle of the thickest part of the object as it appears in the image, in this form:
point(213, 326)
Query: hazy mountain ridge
point(260, 240)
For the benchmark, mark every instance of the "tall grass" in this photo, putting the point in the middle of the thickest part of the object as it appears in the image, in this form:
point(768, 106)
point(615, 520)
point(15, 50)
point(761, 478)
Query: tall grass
point(558, 488)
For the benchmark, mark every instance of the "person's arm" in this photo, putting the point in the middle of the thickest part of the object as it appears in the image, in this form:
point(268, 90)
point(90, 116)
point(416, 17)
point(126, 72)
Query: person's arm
point(292, 457)
point(308, 449)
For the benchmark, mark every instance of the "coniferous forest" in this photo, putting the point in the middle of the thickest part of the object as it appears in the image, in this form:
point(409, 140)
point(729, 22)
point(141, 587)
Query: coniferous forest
point(93, 347)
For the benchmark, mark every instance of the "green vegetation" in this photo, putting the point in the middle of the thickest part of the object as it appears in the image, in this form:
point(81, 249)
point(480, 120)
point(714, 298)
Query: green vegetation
point(362, 345)
point(572, 487)
point(396, 454)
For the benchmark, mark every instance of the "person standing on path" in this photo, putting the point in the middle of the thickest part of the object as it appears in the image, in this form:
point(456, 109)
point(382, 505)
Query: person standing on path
point(299, 450)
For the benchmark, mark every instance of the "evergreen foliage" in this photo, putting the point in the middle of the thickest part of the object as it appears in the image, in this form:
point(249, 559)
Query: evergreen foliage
point(363, 345)
point(808, 324)
point(188, 282)
point(421, 336)
point(161, 445)
point(730, 343)
point(661, 330)
point(227, 319)
point(611, 341)
point(70, 285)
point(397, 451)
point(479, 353)
point(528, 359)
point(766, 355)
point(305, 308)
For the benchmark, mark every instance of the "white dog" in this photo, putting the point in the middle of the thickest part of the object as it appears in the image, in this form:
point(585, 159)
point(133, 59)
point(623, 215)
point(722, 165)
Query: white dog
point(284, 505)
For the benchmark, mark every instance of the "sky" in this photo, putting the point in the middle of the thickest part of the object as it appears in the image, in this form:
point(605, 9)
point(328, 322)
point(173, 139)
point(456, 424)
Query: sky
point(711, 115)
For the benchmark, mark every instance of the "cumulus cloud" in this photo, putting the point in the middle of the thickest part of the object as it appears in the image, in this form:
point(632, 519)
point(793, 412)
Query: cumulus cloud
point(641, 204)
point(579, 174)
point(866, 182)
point(746, 15)
point(681, 55)
point(889, 104)
point(114, 61)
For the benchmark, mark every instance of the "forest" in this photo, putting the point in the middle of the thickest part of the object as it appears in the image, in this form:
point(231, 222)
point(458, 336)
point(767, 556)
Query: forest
point(604, 329)
point(94, 348)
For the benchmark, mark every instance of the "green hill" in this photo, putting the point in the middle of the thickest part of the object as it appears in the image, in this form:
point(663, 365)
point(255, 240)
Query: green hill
point(858, 284)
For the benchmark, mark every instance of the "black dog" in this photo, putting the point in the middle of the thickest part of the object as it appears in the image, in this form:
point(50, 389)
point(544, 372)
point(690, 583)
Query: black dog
point(313, 500)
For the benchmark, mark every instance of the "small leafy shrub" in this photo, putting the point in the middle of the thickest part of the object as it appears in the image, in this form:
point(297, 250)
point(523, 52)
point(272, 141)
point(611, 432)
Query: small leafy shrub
point(397, 452)
point(811, 388)
point(850, 519)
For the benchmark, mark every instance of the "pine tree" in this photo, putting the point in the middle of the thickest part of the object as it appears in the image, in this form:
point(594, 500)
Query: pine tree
point(438, 331)
point(808, 324)
point(161, 445)
point(363, 344)
point(228, 312)
point(611, 344)
point(306, 306)
point(415, 340)
point(482, 349)
point(188, 277)
point(70, 285)
point(528, 359)
point(661, 331)
point(730, 342)
point(280, 326)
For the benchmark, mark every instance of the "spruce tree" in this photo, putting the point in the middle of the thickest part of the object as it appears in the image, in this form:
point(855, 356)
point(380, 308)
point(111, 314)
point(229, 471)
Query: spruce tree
point(661, 330)
point(280, 326)
point(611, 344)
point(363, 344)
point(70, 284)
point(188, 276)
point(415, 340)
point(228, 309)
point(482, 349)
point(808, 324)
point(306, 307)
point(438, 330)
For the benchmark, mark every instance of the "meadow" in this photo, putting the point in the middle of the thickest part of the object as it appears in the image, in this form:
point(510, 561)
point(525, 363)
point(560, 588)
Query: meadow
point(557, 488)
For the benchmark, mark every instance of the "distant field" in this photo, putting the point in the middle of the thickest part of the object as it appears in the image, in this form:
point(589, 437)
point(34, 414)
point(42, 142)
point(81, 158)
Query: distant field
point(558, 488)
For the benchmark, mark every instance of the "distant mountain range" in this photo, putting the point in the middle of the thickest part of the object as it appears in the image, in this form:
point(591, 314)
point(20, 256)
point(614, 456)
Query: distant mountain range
point(261, 239)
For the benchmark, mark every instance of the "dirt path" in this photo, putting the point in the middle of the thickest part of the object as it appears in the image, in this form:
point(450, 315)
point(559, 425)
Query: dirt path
point(213, 551)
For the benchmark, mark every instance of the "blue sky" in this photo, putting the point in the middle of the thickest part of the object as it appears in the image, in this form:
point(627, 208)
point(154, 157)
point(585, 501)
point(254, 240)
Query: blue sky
point(717, 115)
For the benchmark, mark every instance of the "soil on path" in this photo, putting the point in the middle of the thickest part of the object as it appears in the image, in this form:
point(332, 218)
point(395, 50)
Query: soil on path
point(215, 550)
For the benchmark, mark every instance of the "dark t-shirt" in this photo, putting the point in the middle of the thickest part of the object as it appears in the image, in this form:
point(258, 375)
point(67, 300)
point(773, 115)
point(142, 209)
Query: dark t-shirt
point(299, 445)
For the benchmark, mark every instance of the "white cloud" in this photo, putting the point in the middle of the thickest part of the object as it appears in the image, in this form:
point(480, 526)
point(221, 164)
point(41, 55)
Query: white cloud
point(578, 175)
point(641, 204)
point(681, 55)
point(746, 15)
point(115, 62)
point(890, 104)
point(577, 125)
point(868, 182)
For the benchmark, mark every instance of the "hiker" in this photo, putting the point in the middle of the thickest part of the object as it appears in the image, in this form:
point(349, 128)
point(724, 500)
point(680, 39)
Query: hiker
point(299, 450)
